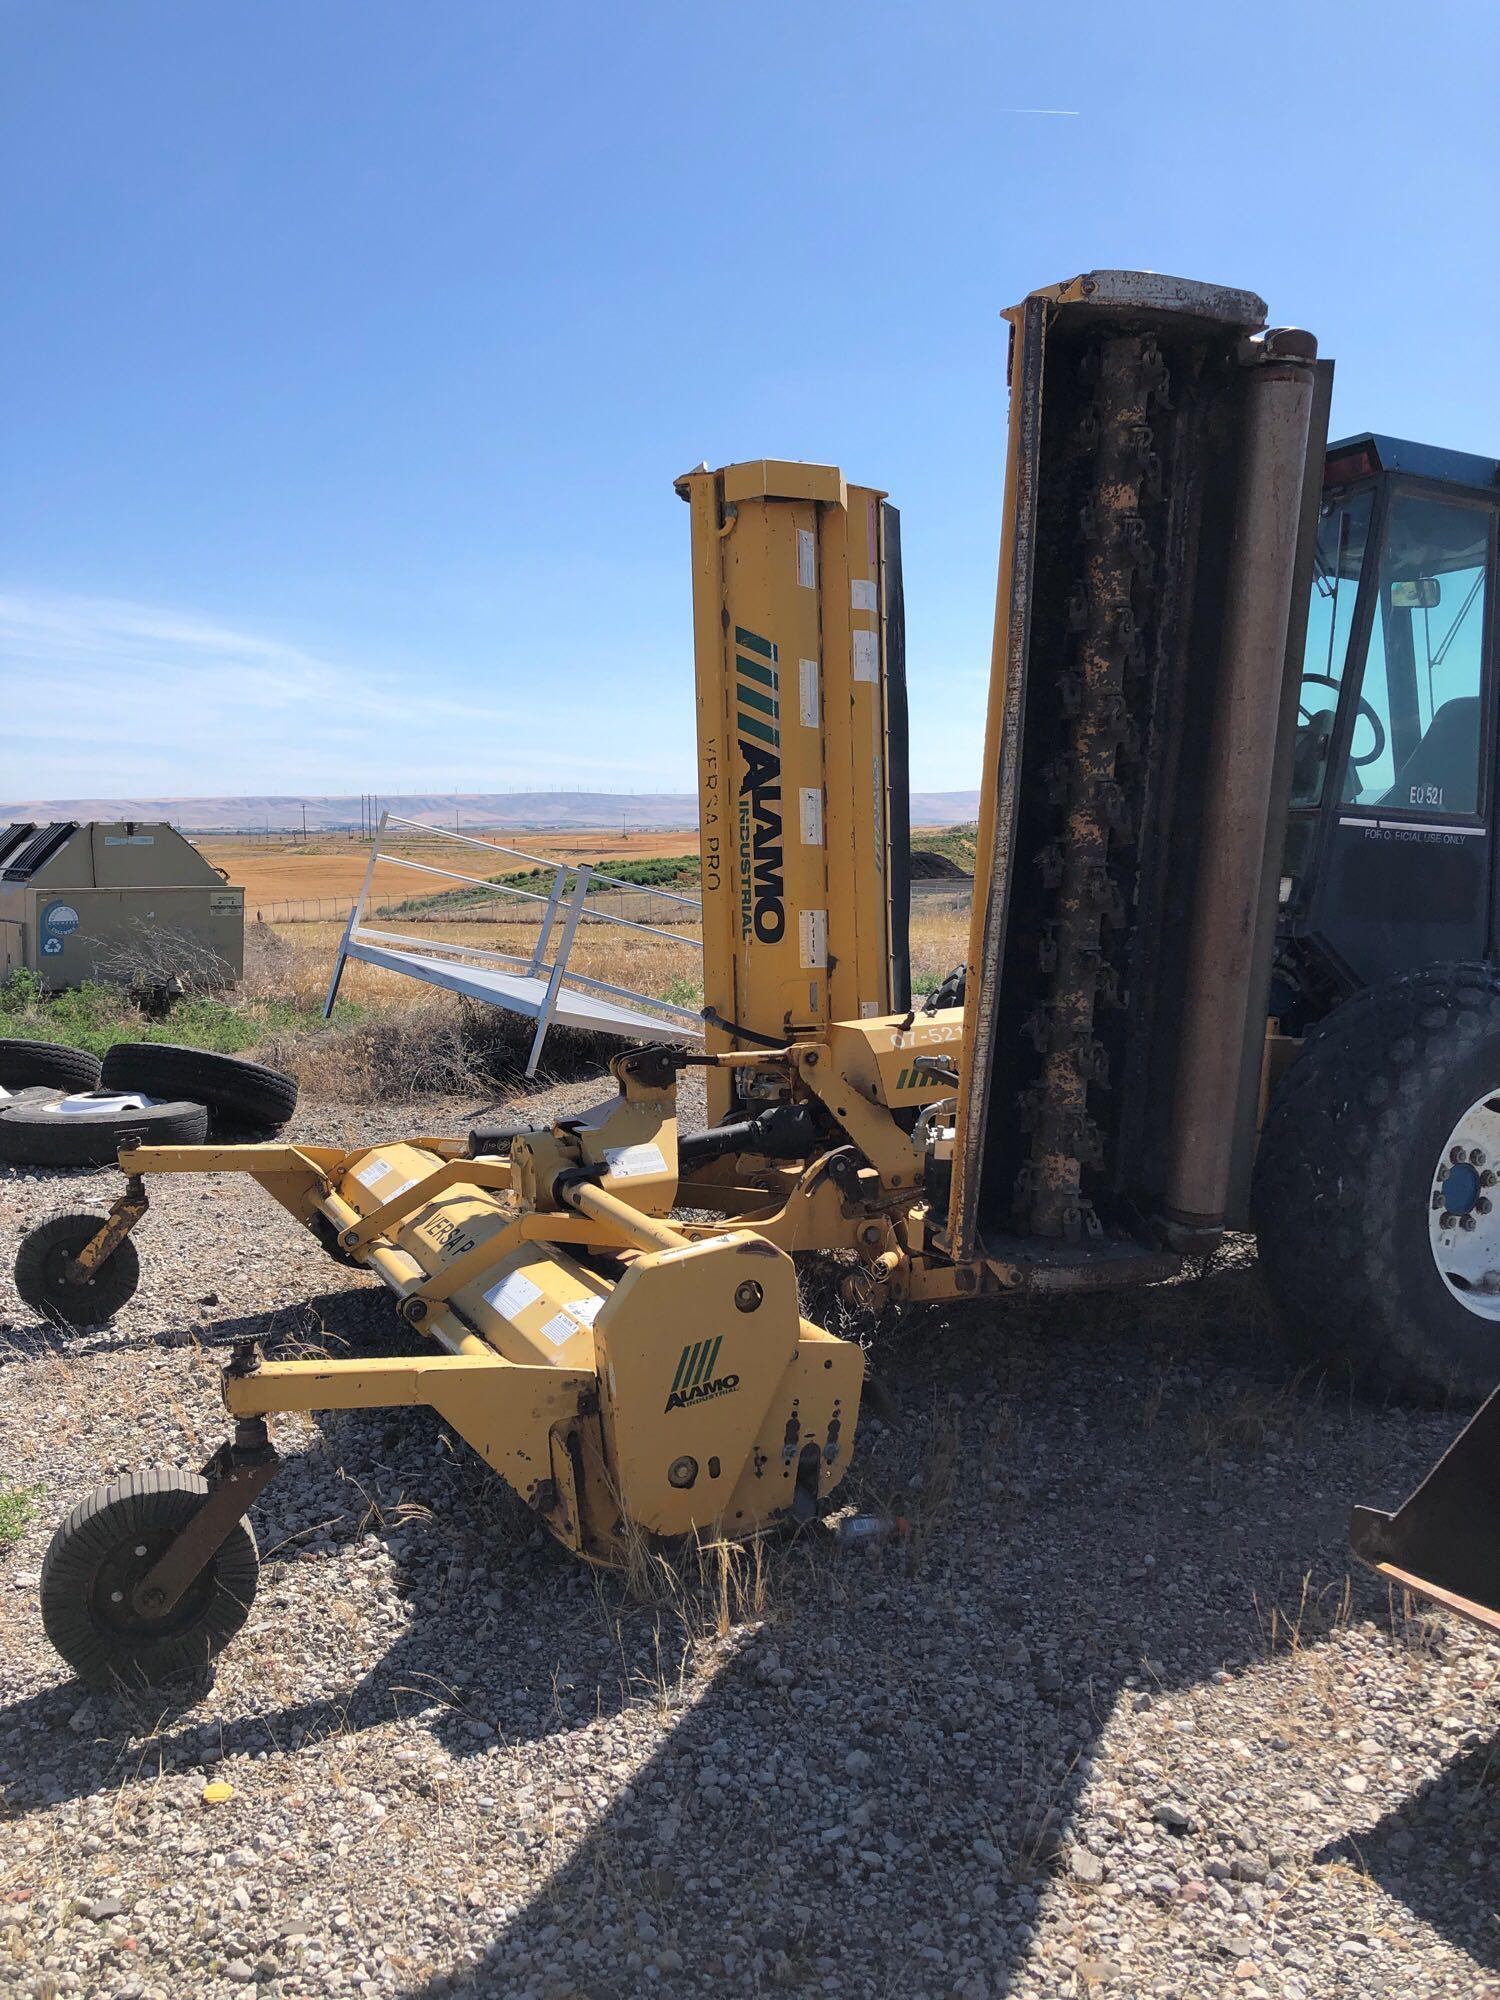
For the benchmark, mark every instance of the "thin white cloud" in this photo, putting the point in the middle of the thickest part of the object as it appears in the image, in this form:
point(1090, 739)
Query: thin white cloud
point(102, 691)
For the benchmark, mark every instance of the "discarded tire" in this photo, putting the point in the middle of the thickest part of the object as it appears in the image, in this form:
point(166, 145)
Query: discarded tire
point(236, 1092)
point(23, 1064)
point(42, 1273)
point(101, 1552)
point(89, 1128)
point(1377, 1188)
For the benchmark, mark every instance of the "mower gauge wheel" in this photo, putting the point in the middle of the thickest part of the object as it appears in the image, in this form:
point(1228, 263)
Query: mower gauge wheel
point(99, 1555)
point(42, 1265)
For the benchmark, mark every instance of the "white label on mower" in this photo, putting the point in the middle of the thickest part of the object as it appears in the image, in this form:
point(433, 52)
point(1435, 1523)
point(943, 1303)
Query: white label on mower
point(560, 1329)
point(866, 657)
point(807, 693)
point(807, 559)
point(862, 593)
point(372, 1171)
point(812, 815)
point(585, 1309)
point(513, 1295)
point(868, 1009)
point(627, 1160)
point(813, 925)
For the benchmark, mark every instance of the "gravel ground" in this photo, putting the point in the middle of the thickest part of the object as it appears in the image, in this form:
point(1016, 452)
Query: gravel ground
point(1114, 1719)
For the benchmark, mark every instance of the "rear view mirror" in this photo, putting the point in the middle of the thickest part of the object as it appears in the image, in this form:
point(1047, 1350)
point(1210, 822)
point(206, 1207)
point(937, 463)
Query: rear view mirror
point(1422, 593)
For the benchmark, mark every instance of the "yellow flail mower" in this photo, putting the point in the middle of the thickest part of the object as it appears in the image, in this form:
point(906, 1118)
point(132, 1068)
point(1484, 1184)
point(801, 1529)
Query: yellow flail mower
point(631, 1379)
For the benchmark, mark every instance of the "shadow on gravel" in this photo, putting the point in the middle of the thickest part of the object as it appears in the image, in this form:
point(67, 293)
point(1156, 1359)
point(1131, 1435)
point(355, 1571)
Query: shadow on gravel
point(871, 1796)
point(872, 1791)
point(1444, 1833)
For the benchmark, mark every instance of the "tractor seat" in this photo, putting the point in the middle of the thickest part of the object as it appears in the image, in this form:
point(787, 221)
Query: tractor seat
point(1443, 770)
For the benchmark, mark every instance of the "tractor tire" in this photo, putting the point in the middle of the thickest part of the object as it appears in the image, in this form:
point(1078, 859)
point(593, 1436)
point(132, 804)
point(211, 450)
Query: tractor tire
point(239, 1095)
point(78, 1132)
point(25, 1063)
point(1376, 1198)
point(41, 1273)
point(99, 1554)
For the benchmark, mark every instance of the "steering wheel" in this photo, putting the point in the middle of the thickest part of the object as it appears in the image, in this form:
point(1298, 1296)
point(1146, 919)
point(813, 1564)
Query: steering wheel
point(1364, 708)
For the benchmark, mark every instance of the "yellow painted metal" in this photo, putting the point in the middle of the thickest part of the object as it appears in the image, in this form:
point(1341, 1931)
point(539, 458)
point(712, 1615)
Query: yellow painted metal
point(881, 1058)
point(789, 609)
point(672, 1389)
point(504, 1411)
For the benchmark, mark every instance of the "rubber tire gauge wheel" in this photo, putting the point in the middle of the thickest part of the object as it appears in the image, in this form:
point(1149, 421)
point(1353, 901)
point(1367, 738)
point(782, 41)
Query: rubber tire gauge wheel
point(99, 1554)
point(42, 1265)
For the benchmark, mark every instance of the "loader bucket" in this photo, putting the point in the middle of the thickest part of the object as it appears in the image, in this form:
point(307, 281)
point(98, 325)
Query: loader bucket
point(1445, 1541)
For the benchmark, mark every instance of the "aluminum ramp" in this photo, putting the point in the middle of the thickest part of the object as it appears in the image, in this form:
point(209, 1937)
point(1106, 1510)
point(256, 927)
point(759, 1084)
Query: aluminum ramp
point(519, 993)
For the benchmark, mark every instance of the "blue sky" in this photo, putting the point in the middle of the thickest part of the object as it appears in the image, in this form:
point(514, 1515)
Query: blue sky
point(351, 349)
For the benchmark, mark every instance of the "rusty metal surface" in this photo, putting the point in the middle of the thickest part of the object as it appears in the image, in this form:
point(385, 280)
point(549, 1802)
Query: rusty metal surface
point(1157, 293)
point(1242, 754)
point(1116, 557)
point(122, 1218)
point(1003, 732)
point(236, 1474)
point(1120, 516)
point(1444, 1542)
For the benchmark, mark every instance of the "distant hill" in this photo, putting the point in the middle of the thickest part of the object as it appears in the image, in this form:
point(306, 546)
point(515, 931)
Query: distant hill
point(535, 811)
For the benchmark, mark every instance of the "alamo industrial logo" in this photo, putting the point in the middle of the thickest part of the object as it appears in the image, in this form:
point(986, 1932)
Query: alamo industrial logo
point(757, 687)
point(695, 1381)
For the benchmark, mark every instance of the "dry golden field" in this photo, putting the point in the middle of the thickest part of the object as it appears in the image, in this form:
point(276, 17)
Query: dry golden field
point(333, 865)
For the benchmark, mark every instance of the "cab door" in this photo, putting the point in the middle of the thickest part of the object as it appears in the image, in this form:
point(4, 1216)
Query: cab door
point(1402, 872)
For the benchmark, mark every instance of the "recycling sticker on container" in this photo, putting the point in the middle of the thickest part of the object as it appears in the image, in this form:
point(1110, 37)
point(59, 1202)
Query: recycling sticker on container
point(57, 923)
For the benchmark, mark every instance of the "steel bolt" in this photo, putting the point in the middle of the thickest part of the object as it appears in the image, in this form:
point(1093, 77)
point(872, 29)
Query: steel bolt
point(1483, 1205)
point(1456, 1155)
point(748, 1295)
point(1446, 1221)
point(1467, 1222)
point(1437, 1199)
point(1476, 1158)
point(153, 1597)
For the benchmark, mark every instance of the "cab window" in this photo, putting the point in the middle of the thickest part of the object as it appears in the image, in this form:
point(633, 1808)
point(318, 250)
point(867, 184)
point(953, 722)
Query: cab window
point(1418, 728)
point(1343, 530)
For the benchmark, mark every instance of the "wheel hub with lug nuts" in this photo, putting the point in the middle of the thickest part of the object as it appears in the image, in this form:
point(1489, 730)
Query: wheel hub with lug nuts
point(1463, 1227)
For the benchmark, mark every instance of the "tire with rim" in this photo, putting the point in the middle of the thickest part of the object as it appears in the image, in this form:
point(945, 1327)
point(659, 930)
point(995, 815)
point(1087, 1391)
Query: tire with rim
point(100, 1553)
point(237, 1093)
point(42, 1273)
point(1376, 1199)
point(26, 1063)
point(89, 1128)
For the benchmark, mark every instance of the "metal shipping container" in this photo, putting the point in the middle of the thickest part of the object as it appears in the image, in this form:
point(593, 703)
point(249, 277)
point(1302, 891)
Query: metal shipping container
point(128, 902)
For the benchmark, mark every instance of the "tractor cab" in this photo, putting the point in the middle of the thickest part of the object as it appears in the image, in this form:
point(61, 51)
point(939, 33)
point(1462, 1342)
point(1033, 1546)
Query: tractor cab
point(1393, 796)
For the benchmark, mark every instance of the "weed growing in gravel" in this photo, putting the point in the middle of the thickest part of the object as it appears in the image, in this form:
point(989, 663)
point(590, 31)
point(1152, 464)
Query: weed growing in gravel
point(17, 1504)
point(1319, 1613)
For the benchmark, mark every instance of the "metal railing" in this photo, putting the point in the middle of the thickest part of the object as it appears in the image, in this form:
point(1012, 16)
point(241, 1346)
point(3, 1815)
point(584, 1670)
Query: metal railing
point(561, 911)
